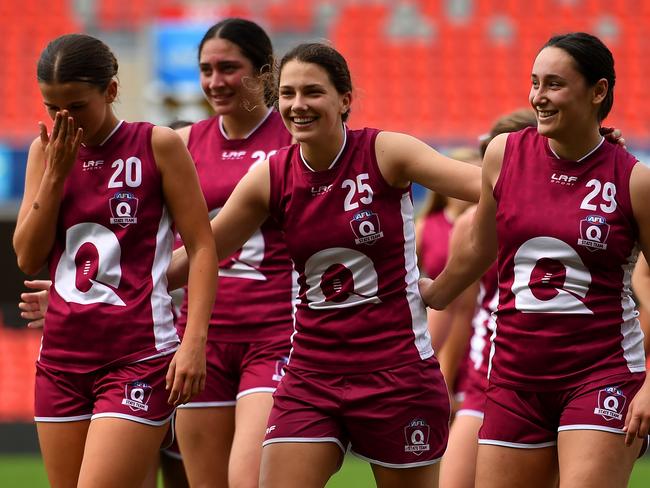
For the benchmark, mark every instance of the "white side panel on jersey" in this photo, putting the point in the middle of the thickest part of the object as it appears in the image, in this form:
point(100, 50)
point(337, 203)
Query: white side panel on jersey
point(416, 305)
point(161, 310)
point(295, 300)
point(108, 273)
point(483, 323)
point(632, 342)
point(247, 264)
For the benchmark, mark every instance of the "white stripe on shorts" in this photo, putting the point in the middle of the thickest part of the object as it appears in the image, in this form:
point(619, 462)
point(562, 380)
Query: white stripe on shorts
point(398, 466)
point(63, 419)
point(590, 427)
point(261, 389)
point(516, 445)
point(305, 440)
point(230, 403)
point(467, 412)
point(133, 418)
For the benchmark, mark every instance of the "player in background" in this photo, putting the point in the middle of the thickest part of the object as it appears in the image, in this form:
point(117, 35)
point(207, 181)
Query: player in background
point(432, 230)
point(100, 196)
point(567, 398)
point(361, 370)
point(473, 323)
point(220, 432)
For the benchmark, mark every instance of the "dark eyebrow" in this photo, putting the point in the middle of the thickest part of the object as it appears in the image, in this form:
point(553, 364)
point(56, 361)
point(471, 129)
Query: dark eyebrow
point(221, 64)
point(551, 76)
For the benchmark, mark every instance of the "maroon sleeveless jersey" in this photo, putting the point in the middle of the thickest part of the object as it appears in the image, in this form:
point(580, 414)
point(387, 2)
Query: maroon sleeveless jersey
point(434, 243)
point(484, 325)
point(256, 289)
point(351, 236)
point(109, 302)
point(567, 247)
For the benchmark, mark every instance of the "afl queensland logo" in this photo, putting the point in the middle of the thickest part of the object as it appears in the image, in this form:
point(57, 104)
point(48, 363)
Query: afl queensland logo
point(611, 402)
point(594, 231)
point(366, 227)
point(416, 434)
point(124, 207)
point(137, 395)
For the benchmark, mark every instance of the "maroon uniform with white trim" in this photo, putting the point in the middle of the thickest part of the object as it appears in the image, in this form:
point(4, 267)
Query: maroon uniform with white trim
point(254, 298)
point(351, 236)
point(484, 325)
point(476, 363)
point(109, 302)
point(567, 247)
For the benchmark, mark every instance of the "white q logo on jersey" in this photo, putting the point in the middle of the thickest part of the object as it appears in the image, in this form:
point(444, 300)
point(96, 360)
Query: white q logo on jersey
point(355, 283)
point(123, 209)
point(108, 266)
point(576, 284)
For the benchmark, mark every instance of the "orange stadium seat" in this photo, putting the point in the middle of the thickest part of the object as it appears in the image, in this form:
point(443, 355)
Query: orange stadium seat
point(475, 65)
point(26, 31)
point(18, 353)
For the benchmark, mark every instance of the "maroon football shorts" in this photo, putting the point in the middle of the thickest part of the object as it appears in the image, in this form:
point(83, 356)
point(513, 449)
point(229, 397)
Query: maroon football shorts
point(532, 419)
point(134, 391)
point(398, 418)
point(474, 402)
point(238, 369)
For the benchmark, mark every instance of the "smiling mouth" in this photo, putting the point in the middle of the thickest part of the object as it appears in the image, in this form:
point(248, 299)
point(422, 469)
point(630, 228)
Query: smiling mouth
point(543, 114)
point(302, 120)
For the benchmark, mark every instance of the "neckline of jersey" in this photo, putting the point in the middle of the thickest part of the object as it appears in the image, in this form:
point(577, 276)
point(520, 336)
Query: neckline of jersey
point(336, 159)
point(117, 126)
point(580, 160)
point(225, 135)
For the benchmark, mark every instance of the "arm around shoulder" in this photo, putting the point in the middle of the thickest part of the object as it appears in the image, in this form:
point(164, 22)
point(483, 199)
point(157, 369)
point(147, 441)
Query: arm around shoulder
point(472, 255)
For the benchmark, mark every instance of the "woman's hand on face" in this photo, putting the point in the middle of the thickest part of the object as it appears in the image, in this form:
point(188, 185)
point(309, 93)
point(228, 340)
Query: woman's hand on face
point(61, 146)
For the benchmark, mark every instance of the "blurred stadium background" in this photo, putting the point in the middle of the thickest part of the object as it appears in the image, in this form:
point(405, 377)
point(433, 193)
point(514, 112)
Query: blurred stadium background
point(441, 70)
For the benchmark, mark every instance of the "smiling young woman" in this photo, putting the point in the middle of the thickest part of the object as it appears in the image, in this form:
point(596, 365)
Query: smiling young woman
point(361, 371)
point(566, 213)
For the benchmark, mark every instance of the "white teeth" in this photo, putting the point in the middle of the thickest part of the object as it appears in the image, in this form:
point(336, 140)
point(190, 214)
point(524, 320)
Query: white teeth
point(544, 113)
point(302, 120)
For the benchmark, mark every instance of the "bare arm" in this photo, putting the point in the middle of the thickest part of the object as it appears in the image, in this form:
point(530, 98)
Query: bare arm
point(49, 162)
point(461, 309)
point(183, 197)
point(403, 159)
point(641, 287)
point(637, 420)
point(471, 258)
point(641, 282)
point(244, 212)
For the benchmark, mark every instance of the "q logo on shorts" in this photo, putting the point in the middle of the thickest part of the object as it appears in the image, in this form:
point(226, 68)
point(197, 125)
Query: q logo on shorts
point(611, 402)
point(136, 395)
point(416, 434)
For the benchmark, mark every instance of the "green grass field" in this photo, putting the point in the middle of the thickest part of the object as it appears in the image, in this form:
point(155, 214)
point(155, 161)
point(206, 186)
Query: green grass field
point(27, 471)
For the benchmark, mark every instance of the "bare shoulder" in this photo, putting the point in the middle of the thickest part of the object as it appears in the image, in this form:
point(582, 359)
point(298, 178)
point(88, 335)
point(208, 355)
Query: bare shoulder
point(493, 158)
point(164, 138)
point(184, 133)
point(640, 176)
point(387, 140)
